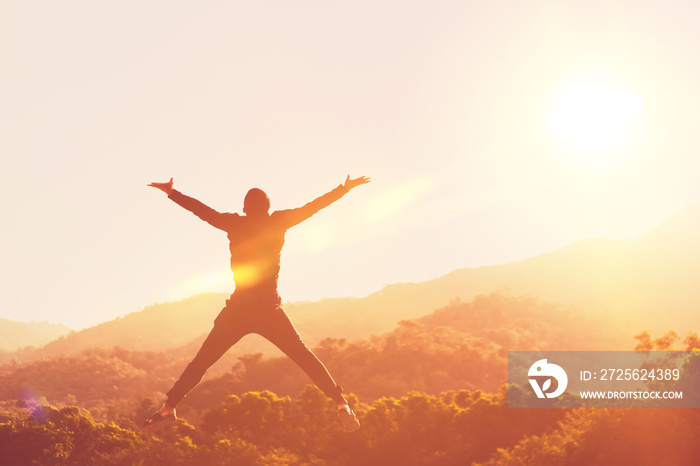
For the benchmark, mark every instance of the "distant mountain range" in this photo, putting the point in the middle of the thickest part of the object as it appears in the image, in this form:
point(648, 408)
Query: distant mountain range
point(648, 283)
point(14, 335)
point(644, 284)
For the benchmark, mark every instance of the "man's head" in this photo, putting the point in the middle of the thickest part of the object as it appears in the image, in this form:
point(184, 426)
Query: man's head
point(256, 202)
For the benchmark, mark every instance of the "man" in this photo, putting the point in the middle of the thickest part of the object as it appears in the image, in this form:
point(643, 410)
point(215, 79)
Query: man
point(255, 242)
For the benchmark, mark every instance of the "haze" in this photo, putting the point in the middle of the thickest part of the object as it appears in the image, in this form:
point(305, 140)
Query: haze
point(446, 106)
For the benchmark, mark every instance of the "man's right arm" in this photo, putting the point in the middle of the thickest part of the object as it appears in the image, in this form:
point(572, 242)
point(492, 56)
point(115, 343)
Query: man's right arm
point(201, 210)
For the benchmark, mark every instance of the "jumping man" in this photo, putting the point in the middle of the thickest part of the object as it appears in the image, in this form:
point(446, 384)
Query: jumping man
point(255, 242)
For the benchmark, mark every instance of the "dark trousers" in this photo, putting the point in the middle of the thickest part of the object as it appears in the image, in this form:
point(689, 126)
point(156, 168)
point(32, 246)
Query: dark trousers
point(239, 318)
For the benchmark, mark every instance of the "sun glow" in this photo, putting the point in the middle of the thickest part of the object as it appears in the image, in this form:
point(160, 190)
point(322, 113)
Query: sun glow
point(213, 280)
point(397, 198)
point(595, 118)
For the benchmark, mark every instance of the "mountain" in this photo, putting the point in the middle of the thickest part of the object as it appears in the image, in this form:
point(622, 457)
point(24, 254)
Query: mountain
point(645, 284)
point(463, 345)
point(650, 282)
point(14, 335)
point(167, 326)
point(157, 327)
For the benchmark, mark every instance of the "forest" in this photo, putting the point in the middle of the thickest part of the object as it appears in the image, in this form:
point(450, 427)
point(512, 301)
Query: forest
point(432, 391)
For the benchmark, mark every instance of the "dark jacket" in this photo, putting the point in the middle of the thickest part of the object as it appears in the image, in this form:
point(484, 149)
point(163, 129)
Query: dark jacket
point(256, 242)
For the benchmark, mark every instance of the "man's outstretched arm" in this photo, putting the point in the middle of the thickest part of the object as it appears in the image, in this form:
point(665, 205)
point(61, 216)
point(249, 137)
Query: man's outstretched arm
point(349, 184)
point(300, 214)
point(206, 213)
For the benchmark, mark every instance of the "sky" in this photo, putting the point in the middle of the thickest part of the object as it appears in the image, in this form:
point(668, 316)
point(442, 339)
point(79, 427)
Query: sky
point(492, 131)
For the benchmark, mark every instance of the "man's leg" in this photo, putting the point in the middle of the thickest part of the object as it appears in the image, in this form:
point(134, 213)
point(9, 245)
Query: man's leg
point(277, 328)
point(219, 340)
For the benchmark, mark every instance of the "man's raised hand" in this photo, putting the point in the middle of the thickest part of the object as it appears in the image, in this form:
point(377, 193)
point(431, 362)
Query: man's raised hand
point(167, 188)
point(354, 183)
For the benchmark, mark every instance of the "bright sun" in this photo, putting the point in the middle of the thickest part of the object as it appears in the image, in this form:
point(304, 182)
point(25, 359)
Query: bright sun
point(595, 116)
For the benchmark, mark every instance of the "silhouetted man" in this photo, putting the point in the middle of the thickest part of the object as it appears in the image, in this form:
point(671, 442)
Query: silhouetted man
point(255, 241)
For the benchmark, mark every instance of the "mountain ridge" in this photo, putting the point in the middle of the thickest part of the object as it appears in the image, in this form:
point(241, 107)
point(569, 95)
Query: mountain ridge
point(15, 334)
point(635, 282)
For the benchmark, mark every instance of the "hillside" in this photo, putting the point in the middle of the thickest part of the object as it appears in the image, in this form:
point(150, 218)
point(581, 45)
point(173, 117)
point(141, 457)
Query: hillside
point(156, 327)
point(646, 284)
point(437, 381)
point(462, 345)
point(169, 325)
point(14, 335)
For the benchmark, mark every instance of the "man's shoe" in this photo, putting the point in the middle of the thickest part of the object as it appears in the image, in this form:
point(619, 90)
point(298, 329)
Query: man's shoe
point(348, 418)
point(157, 422)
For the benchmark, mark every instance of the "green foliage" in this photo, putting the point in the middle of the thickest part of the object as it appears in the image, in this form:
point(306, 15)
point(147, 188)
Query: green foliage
point(611, 436)
point(432, 393)
point(68, 436)
point(462, 346)
point(453, 428)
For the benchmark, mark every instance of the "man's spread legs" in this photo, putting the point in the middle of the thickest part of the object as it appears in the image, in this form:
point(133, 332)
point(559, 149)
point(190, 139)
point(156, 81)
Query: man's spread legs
point(277, 328)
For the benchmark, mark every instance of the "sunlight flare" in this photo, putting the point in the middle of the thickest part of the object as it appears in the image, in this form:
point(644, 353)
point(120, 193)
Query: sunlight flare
point(397, 198)
point(595, 117)
point(213, 280)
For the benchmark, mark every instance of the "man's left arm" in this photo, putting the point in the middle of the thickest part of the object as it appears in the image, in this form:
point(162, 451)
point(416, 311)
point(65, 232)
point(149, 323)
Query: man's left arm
point(298, 215)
